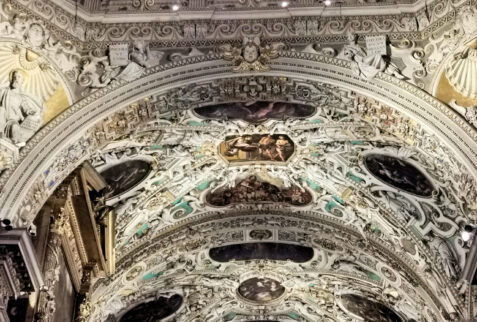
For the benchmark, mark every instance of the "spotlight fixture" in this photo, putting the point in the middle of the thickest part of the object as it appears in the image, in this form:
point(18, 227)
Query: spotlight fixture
point(327, 2)
point(285, 4)
point(175, 7)
point(467, 233)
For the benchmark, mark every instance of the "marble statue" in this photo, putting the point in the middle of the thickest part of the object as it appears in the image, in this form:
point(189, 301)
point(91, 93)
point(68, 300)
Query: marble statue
point(20, 113)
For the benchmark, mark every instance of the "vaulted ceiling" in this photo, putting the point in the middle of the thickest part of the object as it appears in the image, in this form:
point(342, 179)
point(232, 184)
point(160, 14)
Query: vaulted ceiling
point(271, 170)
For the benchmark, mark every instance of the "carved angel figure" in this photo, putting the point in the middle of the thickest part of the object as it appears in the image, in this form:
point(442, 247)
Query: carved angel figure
point(251, 56)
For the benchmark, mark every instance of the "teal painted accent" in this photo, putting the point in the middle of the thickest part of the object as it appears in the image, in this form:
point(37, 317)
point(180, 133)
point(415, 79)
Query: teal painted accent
point(203, 185)
point(314, 144)
point(373, 276)
point(356, 142)
point(158, 182)
point(317, 121)
point(140, 231)
point(354, 178)
point(157, 147)
point(175, 202)
point(311, 184)
point(199, 156)
point(195, 123)
point(149, 276)
point(230, 316)
point(186, 207)
point(293, 315)
point(376, 229)
point(330, 205)
point(338, 199)
point(311, 285)
point(315, 154)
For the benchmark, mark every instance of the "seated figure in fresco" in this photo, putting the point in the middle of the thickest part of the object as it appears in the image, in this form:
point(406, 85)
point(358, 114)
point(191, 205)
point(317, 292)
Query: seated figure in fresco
point(242, 146)
point(20, 114)
point(267, 148)
point(283, 147)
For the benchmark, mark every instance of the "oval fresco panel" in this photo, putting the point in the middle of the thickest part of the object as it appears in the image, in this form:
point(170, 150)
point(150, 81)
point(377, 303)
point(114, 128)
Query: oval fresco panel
point(398, 173)
point(272, 251)
point(261, 289)
point(123, 176)
point(255, 112)
point(369, 310)
point(154, 310)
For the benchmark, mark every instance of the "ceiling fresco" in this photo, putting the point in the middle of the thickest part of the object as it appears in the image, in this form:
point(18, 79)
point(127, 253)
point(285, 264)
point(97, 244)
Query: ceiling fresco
point(399, 174)
point(123, 176)
point(261, 289)
point(353, 163)
point(272, 251)
point(257, 147)
point(255, 112)
point(261, 164)
point(251, 190)
point(155, 310)
point(368, 310)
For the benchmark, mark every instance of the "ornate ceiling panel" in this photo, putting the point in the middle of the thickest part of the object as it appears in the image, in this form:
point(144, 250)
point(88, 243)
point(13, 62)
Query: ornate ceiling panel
point(289, 168)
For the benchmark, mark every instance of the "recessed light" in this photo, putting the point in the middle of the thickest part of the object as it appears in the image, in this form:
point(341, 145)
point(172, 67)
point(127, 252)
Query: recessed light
point(175, 7)
point(466, 236)
point(327, 2)
point(285, 4)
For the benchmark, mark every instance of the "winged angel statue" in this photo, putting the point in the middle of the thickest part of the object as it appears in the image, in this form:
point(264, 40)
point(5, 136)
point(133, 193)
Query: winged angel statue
point(251, 56)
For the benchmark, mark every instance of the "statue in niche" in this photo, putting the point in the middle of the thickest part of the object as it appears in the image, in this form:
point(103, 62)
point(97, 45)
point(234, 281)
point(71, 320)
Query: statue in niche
point(443, 255)
point(20, 113)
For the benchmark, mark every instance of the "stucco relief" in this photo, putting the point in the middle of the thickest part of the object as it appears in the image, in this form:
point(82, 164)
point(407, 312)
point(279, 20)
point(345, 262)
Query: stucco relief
point(248, 286)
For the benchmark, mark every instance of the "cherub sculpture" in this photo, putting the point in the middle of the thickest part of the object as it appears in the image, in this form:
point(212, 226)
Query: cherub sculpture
point(251, 56)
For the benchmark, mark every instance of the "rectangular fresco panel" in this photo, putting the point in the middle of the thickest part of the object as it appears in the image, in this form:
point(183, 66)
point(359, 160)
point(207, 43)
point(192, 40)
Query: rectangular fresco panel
point(257, 147)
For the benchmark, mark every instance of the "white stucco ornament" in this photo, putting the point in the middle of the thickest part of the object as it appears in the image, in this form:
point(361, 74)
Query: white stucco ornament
point(462, 72)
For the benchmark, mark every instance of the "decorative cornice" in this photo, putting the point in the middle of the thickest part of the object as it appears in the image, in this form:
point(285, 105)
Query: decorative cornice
point(206, 30)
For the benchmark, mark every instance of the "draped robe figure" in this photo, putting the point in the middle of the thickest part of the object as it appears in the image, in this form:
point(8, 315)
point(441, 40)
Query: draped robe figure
point(20, 114)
